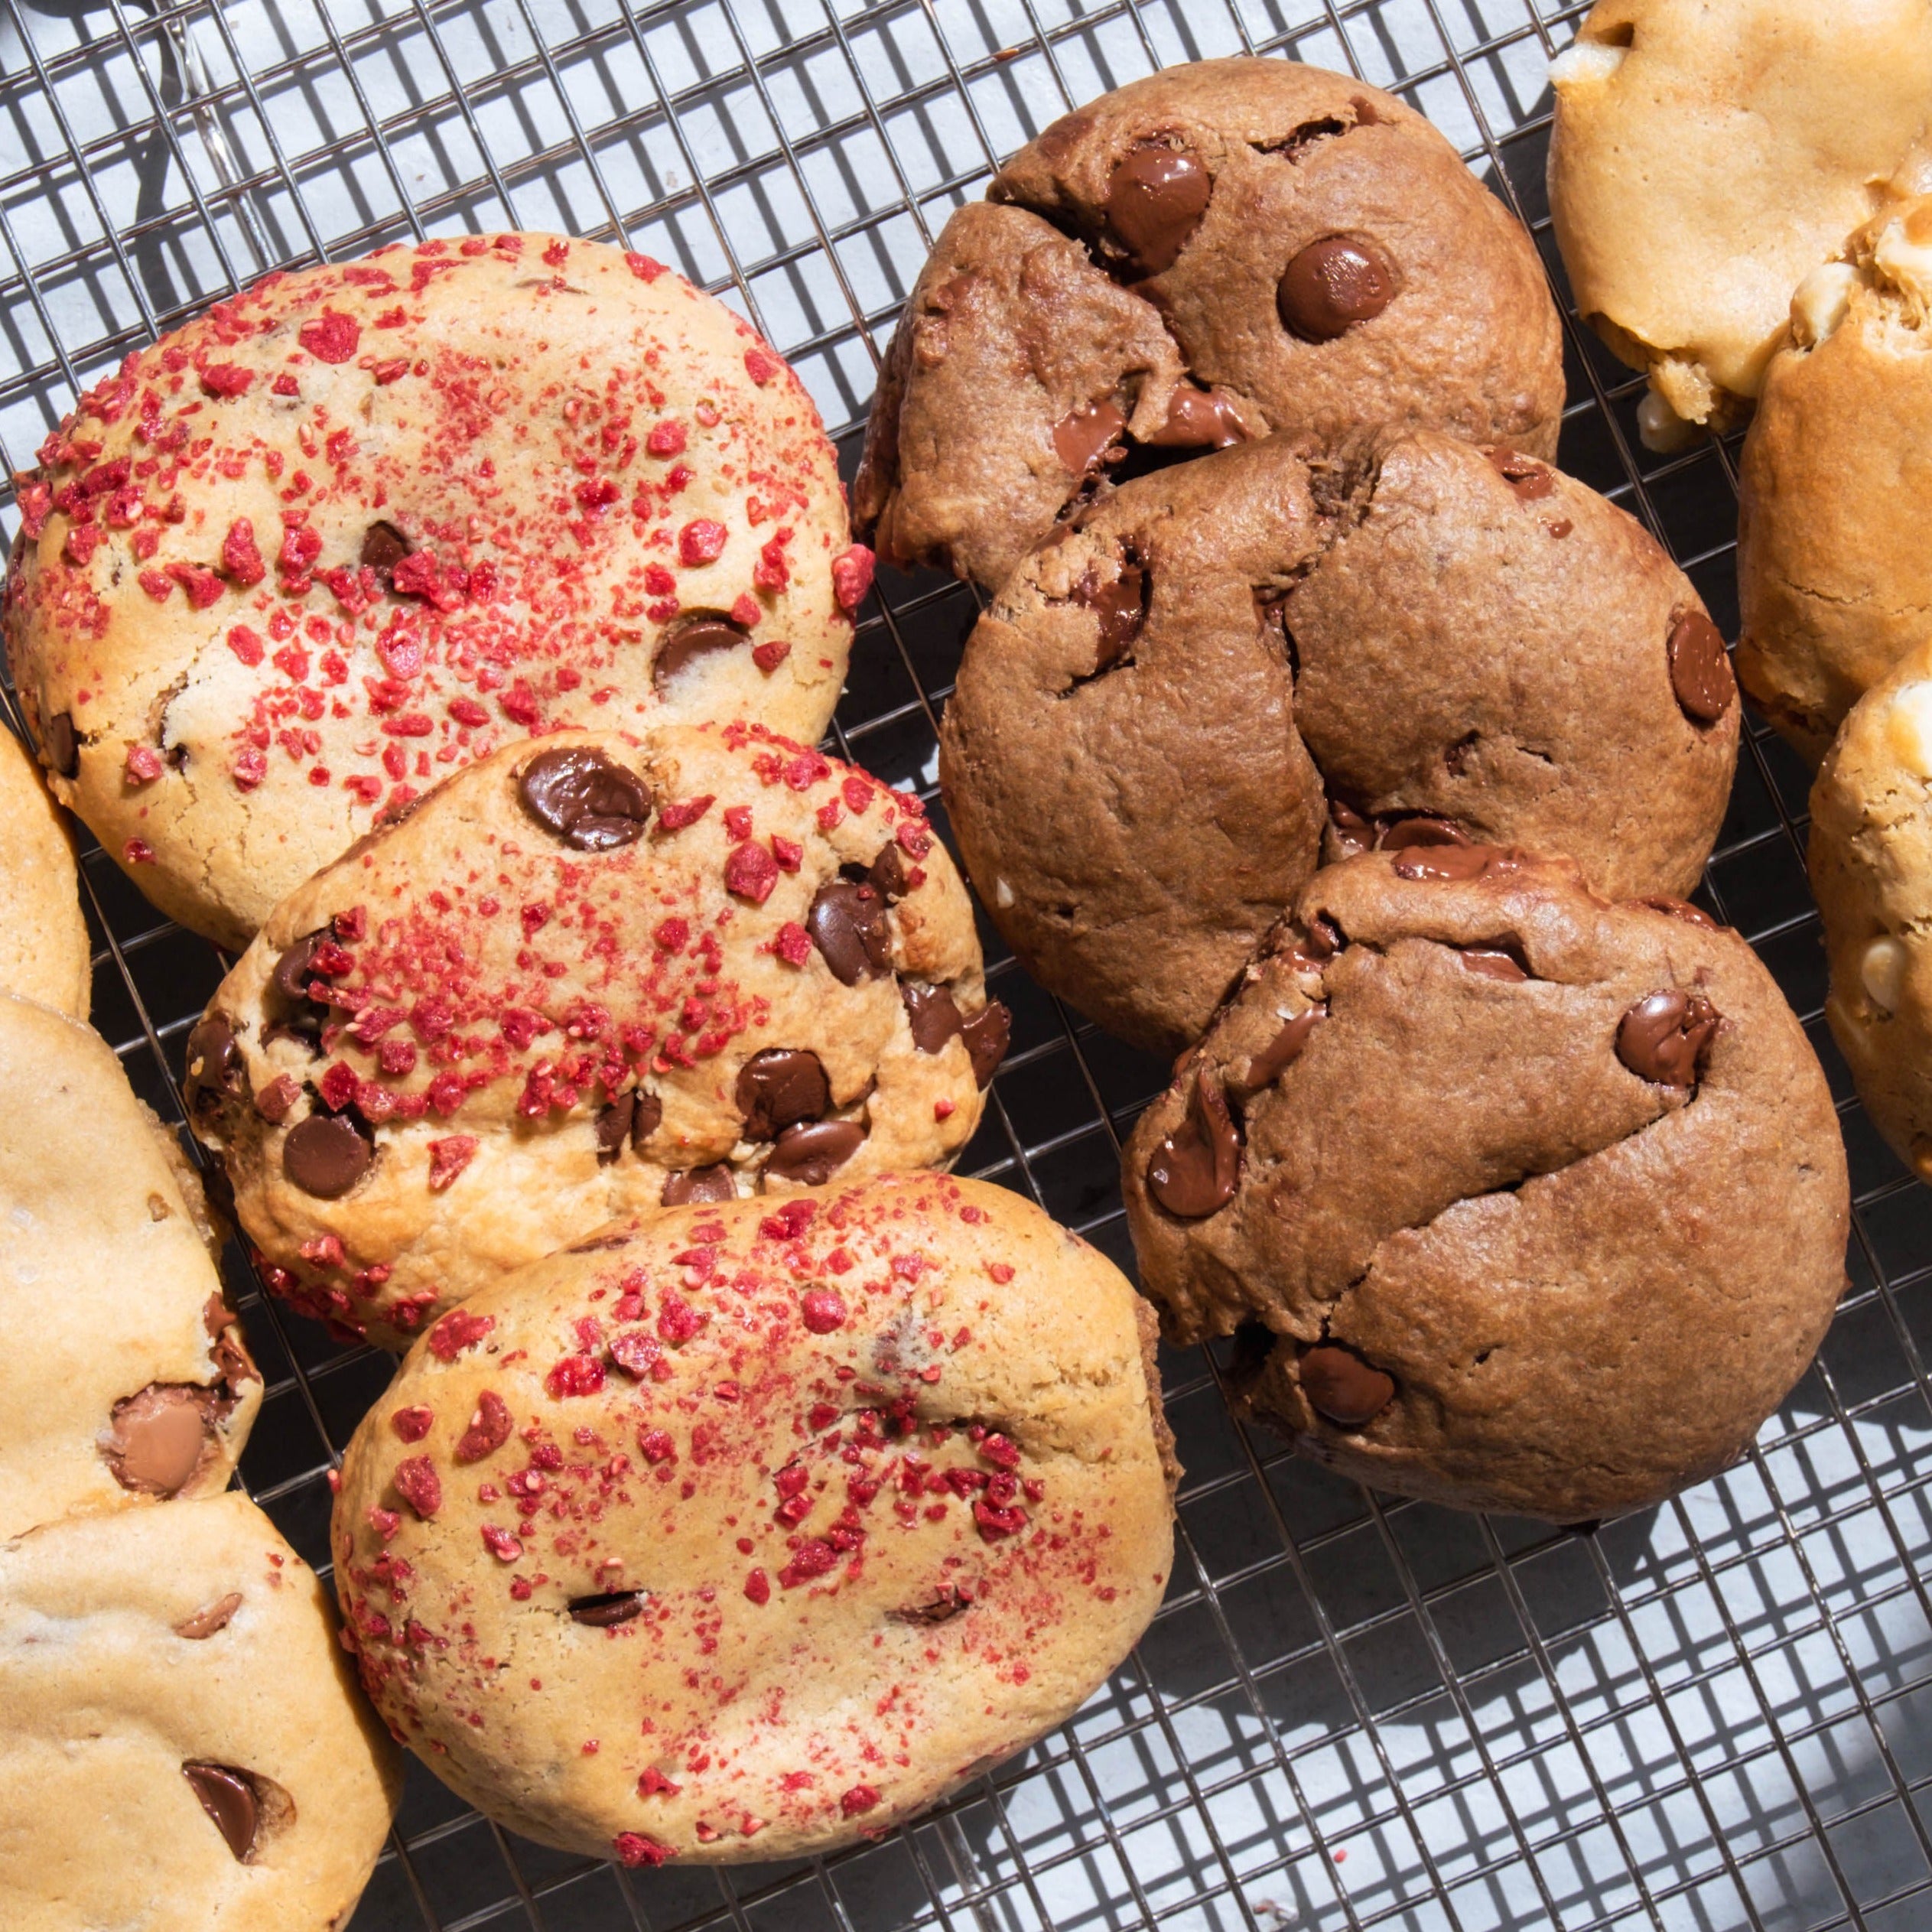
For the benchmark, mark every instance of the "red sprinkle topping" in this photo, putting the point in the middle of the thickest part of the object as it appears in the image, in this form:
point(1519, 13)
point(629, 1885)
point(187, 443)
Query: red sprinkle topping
point(501, 1544)
point(458, 1330)
point(330, 336)
point(686, 811)
point(852, 577)
point(419, 1485)
point(860, 1798)
point(751, 873)
point(575, 1375)
point(634, 1848)
point(824, 1310)
point(758, 1587)
point(447, 1159)
point(412, 1424)
point(701, 541)
point(489, 1430)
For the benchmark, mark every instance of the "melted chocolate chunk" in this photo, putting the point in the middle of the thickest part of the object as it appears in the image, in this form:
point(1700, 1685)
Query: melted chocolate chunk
point(1332, 285)
point(233, 1361)
point(1192, 1173)
point(690, 1184)
point(295, 969)
point(810, 1155)
point(1198, 419)
point(216, 1072)
point(325, 1155)
point(301, 1015)
point(61, 745)
point(614, 1127)
point(612, 1608)
point(848, 926)
point(159, 1438)
point(1458, 862)
point(1155, 197)
point(646, 1118)
point(1700, 669)
point(1679, 909)
point(1664, 1037)
point(887, 875)
point(934, 1015)
point(987, 1035)
point(1343, 1389)
point(209, 1619)
point(228, 1797)
point(1524, 474)
point(1420, 829)
point(1493, 963)
point(779, 1088)
point(1281, 1053)
point(384, 547)
point(1082, 437)
point(591, 804)
point(943, 1608)
point(692, 637)
point(1354, 834)
point(1119, 608)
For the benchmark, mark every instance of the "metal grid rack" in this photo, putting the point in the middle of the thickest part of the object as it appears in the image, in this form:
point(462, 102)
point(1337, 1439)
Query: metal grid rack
point(1349, 1712)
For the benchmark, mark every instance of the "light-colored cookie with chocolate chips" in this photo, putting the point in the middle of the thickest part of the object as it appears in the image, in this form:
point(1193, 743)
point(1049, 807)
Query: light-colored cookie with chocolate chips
point(1224, 250)
point(44, 953)
point(1705, 159)
point(588, 978)
point(1182, 700)
point(369, 521)
point(1514, 1198)
point(124, 1380)
point(182, 1746)
point(791, 1515)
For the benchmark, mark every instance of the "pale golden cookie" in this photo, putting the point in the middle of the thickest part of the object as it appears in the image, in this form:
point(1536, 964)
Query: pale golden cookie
point(44, 953)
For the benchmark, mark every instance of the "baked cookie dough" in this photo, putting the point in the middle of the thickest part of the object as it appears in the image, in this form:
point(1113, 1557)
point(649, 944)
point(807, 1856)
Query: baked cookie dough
point(1515, 1198)
point(1225, 249)
point(1705, 159)
point(367, 522)
point(44, 952)
point(124, 1380)
point(1834, 584)
point(1221, 673)
point(586, 978)
point(752, 1529)
point(182, 1746)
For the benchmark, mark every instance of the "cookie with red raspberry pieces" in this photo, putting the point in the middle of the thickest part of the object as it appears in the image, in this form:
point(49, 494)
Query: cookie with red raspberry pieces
point(584, 978)
point(792, 1515)
point(44, 950)
point(124, 1381)
point(1511, 1197)
point(367, 522)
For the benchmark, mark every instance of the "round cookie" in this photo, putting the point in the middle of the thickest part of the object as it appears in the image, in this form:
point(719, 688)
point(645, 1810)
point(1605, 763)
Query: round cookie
point(367, 521)
point(1515, 1198)
point(1833, 582)
point(44, 952)
point(584, 979)
point(1704, 159)
point(181, 1742)
point(124, 1380)
point(1227, 249)
point(752, 1529)
point(1182, 699)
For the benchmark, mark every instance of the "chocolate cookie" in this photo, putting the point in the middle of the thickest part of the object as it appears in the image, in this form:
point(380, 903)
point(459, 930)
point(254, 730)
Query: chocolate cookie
point(1223, 250)
point(182, 1746)
point(792, 1515)
point(44, 952)
point(370, 520)
point(1514, 1198)
point(1181, 700)
point(579, 981)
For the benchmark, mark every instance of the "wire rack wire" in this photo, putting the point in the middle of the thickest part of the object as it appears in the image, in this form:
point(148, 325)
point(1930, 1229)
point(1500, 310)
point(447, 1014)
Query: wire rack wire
point(1350, 1711)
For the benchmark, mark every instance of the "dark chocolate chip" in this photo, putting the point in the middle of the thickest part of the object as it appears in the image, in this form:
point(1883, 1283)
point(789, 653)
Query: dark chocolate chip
point(325, 1155)
point(1458, 862)
point(943, 1608)
point(590, 803)
point(1524, 474)
point(934, 1015)
point(689, 1184)
point(692, 637)
point(1354, 834)
point(646, 1118)
point(384, 547)
point(1493, 963)
point(61, 745)
point(216, 1072)
point(887, 875)
point(1420, 829)
point(612, 1608)
point(1198, 419)
point(1155, 197)
point(1281, 1053)
point(1083, 435)
point(1700, 669)
point(228, 1797)
point(614, 1126)
point(1664, 1038)
point(848, 926)
point(1343, 1389)
point(779, 1087)
point(1192, 1173)
point(810, 1155)
point(1679, 909)
point(1119, 608)
point(987, 1035)
point(1332, 285)
point(210, 1620)
point(295, 971)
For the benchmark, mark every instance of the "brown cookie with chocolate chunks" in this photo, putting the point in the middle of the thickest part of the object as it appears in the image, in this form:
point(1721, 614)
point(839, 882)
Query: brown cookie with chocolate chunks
point(1222, 250)
point(1181, 702)
point(1514, 1197)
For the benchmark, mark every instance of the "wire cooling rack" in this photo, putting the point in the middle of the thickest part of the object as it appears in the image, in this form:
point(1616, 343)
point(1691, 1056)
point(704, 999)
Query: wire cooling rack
point(1349, 1712)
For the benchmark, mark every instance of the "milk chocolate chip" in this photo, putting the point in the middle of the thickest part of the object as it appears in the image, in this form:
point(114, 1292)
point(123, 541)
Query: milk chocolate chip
point(1332, 285)
point(1679, 909)
point(1354, 834)
point(1119, 608)
point(987, 1035)
point(215, 1069)
point(1420, 829)
point(614, 1125)
point(1155, 197)
point(210, 1618)
point(1700, 669)
point(646, 1118)
point(933, 1015)
point(1493, 963)
point(692, 637)
point(1191, 1174)
point(61, 745)
point(1524, 474)
point(1198, 419)
point(591, 804)
point(612, 1608)
point(887, 875)
point(1343, 1389)
point(1281, 1053)
point(325, 1155)
point(384, 547)
point(1083, 435)
point(228, 1797)
point(779, 1087)
point(848, 925)
point(698, 1184)
point(1458, 862)
point(1664, 1037)
point(811, 1155)
point(158, 1439)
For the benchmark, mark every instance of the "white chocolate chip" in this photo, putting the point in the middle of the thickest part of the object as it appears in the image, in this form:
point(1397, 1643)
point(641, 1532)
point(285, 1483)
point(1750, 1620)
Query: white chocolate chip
point(1819, 303)
point(1661, 427)
point(1002, 894)
point(1905, 263)
point(1882, 970)
point(1908, 727)
point(1583, 62)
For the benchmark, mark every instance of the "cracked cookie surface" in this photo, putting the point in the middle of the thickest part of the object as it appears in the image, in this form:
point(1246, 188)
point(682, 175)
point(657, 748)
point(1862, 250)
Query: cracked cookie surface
point(1182, 700)
point(367, 521)
point(1514, 1198)
point(588, 978)
point(44, 950)
point(755, 1529)
point(1221, 251)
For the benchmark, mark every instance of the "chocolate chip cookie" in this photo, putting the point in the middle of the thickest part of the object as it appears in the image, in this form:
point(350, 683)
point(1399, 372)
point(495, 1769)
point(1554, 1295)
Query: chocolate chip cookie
point(182, 1746)
point(1705, 159)
point(1183, 699)
point(1514, 1198)
point(1223, 250)
point(584, 978)
point(125, 1380)
point(44, 953)
point(792, 1515)
point(367, 522)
